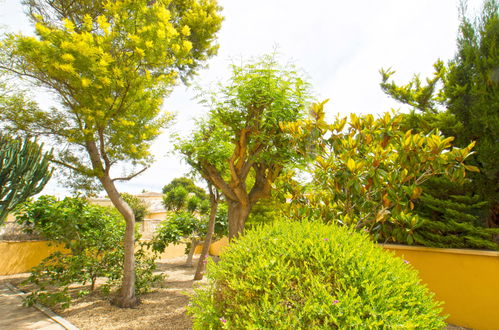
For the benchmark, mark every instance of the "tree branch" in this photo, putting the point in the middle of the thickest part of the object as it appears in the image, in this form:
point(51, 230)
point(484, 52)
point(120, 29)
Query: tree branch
point(130, 176)
point(214, 176)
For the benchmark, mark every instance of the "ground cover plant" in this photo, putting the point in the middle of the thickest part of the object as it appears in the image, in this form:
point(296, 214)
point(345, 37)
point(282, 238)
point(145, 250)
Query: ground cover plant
point(296, 275)
point(93, 238)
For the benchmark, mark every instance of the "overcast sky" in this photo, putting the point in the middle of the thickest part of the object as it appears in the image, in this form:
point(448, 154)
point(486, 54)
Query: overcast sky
point(341, 45)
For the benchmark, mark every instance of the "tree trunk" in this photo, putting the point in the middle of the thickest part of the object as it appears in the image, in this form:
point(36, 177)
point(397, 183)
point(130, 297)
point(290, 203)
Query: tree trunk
point(126, 296)
point(194, 244)
point(207, 241)
point(238, 214)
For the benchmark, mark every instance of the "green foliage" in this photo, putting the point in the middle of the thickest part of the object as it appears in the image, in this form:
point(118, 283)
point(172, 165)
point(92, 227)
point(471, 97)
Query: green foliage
point(138, 206)
point(174, 229)
point(472, 91)
point(179, 226)
point(292, 275)
point(462, 100)
point(24, 171)
point(183, 194)
point(264, 211)
point(111, 63)
point(221, 221)
point(240, 148)
point(94, 237)
point(368, 172)
point(451, 218)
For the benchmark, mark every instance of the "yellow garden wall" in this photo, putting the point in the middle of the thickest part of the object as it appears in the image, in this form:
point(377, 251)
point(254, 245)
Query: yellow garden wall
point(467, 281)
point(20, 257)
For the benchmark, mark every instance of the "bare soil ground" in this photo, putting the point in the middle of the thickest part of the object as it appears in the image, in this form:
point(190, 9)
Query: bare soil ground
point(164, 308)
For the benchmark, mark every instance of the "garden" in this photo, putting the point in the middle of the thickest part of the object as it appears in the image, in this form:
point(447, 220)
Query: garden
point(308, 205)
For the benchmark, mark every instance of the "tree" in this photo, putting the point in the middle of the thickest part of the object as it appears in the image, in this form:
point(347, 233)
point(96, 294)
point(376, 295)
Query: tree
point(110, 65)
point(451, 217)
point(24, 171)
point(139, 207)
point(241, 148)
point(182, 193)
point(91, 235)
point(467, 89)
point(210, 230)
point(369, 172)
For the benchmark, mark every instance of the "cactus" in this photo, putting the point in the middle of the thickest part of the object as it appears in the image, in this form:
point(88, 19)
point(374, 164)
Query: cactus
point(24, 171)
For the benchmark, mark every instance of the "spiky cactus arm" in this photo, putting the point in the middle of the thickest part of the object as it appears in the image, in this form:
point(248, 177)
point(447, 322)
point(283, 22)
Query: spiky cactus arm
point(24, 171)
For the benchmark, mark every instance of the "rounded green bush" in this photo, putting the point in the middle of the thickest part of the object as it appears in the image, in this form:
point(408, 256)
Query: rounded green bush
point(291, 275)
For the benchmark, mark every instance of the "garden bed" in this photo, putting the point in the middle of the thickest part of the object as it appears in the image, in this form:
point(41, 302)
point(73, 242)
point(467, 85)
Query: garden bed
point(165, 307)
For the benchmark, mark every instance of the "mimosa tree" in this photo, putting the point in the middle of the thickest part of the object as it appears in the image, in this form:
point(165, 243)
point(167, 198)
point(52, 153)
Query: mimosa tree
point(110, 64)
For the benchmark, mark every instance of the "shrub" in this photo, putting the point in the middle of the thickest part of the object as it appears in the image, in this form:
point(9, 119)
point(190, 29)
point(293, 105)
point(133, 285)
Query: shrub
point(183, 225)
point(93, 235)
point(311, 275)
point(176, 227)
point(138, 206)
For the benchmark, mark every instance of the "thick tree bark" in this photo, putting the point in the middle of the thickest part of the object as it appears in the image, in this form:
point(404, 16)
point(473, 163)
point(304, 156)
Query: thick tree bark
point(238, 214)
point(207, 241)
point(126, 296)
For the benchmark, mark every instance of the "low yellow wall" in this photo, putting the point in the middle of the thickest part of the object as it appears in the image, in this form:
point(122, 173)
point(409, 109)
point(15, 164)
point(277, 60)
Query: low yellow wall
point(20, 257)
point(467, 281)
point(215, 248)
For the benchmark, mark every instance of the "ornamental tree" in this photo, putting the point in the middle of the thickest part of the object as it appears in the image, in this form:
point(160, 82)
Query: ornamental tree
point(240, 148)
point(368, 172)
point(182, 193)
point(110, 64)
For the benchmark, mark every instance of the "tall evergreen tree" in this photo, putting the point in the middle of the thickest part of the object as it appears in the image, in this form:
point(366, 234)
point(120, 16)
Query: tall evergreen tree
point(451, 216)
point(467, 104)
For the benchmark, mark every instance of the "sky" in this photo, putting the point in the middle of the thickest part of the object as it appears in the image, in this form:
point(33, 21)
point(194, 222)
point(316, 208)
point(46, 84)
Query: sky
point(340, 45)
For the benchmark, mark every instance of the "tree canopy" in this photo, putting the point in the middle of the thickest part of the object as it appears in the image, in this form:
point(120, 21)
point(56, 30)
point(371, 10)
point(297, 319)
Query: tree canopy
point(182, 193)
point(462, 99)
point(110, 64)
point(240, 148)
